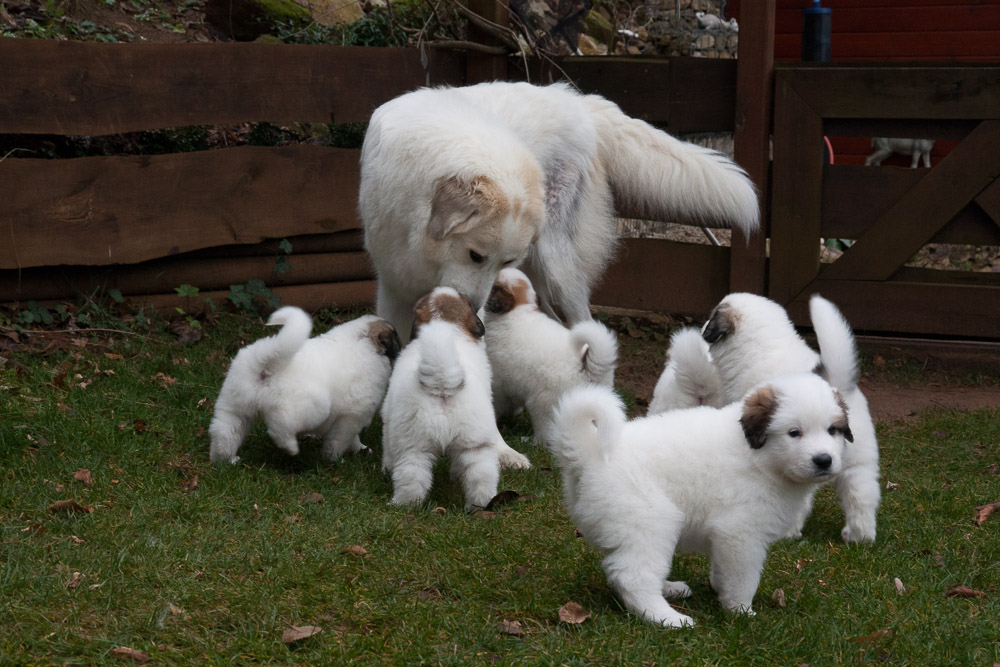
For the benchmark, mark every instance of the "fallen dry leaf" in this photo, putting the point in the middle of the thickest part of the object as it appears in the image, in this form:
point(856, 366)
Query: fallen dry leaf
point(573, 613)
point(355, 550)
point(112, 355)
point(900, 588)
point(82, 475)
point(94, 587)
point(983, 512)
point(779, 597)
point(293, 518)
point(960, 591)
point(892, 486)
point(174, 609)
point(76, 540)
point(512, 628)
point(126, 653)
point(190, 485)
point(297, 633)
point(522, 569)
point(484, 514)
point(439, 510)
point(75, 579)
point(502, 498)
point(873, 637)
point(312, 497)
point(69, 507)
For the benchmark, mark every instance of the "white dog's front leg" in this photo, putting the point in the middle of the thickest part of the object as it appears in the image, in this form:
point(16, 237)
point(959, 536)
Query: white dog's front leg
point(342, 438)
point(735, 573)
point(478, 467)
point(859, 495)
point(392, 306)
point(227, 431)
point(510, 457)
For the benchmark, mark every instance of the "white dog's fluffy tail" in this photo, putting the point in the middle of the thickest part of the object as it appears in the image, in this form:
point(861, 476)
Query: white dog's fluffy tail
point(669, 178)
point(274, 353)
point(690, 378)
point(598, 350)
point(837, 351)
point(588, 424)
point(440, 372)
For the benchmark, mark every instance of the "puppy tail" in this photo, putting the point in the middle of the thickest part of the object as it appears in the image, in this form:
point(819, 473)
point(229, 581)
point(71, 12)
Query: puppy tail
point(837, 352)
point(587, 426)
point(689, 378)
point(668, 178)
point(277, 351)
point(440, 373)
point(597, 348)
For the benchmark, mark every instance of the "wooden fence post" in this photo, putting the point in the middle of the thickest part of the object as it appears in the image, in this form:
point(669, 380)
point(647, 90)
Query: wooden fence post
point(481, 67)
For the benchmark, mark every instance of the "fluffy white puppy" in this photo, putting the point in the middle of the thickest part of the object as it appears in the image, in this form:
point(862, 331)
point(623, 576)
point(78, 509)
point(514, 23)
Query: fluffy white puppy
point(689, 378)
point(536, 359)
point(725, 482)
point(751, 339)
point(439, 402)
point(328, 386)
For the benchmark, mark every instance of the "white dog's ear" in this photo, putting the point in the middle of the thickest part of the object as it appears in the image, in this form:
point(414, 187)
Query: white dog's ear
point(758, 409)
point(458, 205)
point(501, 300)
point(721, 322)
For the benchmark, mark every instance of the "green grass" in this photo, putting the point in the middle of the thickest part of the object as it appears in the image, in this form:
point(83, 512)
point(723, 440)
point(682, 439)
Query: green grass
point(242, 557)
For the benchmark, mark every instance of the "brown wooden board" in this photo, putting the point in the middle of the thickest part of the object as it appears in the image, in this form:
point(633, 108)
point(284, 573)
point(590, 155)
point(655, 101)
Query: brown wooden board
point(665, 276)
point(919, 128)
point(82, 88)
point(945, 92)
point(348, 241)
point(926, 208)
point(115, 210)
point(989, 201)
point(899, 19)
point(359, 294)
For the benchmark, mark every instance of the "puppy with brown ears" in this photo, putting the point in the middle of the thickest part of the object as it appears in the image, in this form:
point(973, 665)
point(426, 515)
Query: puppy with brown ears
point(330, 385)
point(725, 482)
point(535, 359)
point(439, 402)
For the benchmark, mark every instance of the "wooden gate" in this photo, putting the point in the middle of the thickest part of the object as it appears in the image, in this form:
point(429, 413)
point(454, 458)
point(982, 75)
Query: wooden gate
point(890, 212)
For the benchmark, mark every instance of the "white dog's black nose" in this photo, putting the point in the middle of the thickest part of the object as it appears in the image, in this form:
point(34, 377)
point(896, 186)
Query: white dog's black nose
point(822, 461)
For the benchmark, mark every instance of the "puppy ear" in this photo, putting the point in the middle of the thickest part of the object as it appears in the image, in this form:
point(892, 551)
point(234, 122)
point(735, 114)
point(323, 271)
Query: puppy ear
point(500, 301)
point(422, 314)
point(385, 339)
point(758, 409)
point(458, 205)
point(479, 329)
point(473, 324)
point(721, 323)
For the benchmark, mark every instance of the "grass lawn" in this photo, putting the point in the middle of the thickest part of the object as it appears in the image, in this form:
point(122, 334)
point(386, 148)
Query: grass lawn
point(196, 564)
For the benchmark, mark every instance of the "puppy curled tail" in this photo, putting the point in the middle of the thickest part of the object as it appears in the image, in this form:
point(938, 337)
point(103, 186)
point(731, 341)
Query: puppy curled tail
point(598, 350)
point(689, 378)
point(588, 425)
point(277, 351)
point(439, 373)
point(837, 352)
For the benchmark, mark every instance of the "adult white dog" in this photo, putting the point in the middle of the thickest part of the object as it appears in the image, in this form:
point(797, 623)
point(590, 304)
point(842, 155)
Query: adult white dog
point(689, 378)
point(751, 339)
point(328, 386)
point(457, 183)
point(536, 359)
point(725, 482)
point(439, 402)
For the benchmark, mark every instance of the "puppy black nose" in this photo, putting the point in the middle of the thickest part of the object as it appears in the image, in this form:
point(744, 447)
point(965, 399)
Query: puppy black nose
point(822, 461)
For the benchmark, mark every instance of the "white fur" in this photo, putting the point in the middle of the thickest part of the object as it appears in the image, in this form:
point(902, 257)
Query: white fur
point(764, 344)
point(918, 150)
point(536, 359)
point(439, 402)
point(560, 160)
point(329, 386)
point(689, 480)
point(689, 378)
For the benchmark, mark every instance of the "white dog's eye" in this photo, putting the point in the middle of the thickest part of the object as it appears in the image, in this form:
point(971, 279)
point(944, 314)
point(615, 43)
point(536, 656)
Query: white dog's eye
point(832, 430)
point(476, 257)
point(795, 433)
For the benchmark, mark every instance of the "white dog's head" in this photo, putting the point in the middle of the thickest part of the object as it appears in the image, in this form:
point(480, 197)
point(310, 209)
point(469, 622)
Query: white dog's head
point(479, 226)
point(445, 303)
point(741, 315)
point(798, 423)
point(512, 289)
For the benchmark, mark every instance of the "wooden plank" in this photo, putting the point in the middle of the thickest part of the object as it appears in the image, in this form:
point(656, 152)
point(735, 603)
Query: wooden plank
point(92, 89)
point(797, 188)
point(481, 67)
point(898, 19)
point(912, 220)
point(163, 275)
point(665, 276)
point(855, 197)
point(114, 210)
point(351, 240)
point(947, 93)
point(944, 132)
point(989, 201)
point(901, 47)
point(752, 140)
point(916, 308)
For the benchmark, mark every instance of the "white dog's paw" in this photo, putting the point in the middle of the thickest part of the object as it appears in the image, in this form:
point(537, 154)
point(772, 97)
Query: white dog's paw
point(676, 589)
point(677, 621)
point(793, 534)
point(233, 460)
point(742, 610)
point(510, 458)
point(858, 534)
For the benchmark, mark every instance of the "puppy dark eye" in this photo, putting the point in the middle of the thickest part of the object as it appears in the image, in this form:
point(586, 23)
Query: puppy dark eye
point(832, 430)
point(476, 257)
point(795, 433)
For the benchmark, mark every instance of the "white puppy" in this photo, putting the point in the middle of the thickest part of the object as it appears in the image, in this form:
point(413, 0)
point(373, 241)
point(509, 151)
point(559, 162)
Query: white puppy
point(752, 340)
point(725, 482)
point(536, 359)
point(328, 386)
point(457, 183)
point(689, 378)
point(439, 402)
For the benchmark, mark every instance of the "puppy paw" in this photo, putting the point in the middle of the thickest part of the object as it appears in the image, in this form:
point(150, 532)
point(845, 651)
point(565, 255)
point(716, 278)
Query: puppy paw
point(676, 589)
point(793, 534)
point(677, 621)
point(515, 460)
point(858, 534)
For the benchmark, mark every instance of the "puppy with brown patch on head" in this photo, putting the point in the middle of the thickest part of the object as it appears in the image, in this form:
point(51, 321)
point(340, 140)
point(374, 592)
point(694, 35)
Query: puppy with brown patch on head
point(534, 358)
point(724, 482)
point(752, 339)
point(328, 386)
point(439, 402)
